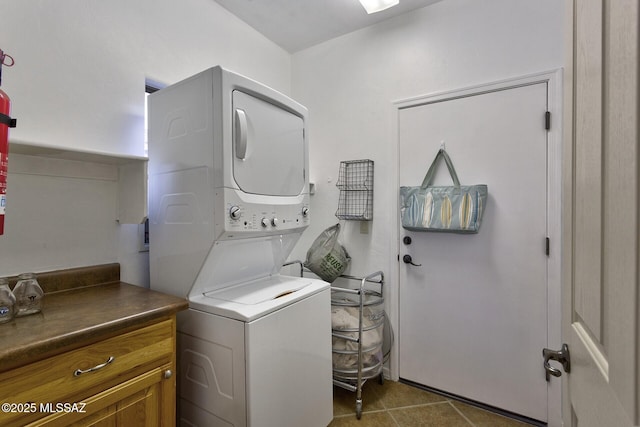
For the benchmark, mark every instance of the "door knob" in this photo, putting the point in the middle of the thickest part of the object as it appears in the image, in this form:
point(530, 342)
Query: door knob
point(561, 356)
point(408, 260)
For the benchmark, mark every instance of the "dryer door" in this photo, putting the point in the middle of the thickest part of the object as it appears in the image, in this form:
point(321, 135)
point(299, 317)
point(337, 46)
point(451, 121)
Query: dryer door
point(268, 147)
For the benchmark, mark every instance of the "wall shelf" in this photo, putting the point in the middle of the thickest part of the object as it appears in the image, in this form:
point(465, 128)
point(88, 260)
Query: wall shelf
point(130, 172)
point(355, 181)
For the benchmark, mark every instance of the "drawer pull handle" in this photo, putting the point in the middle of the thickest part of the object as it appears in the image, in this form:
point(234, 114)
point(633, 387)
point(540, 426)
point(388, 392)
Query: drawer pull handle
point(79, 372)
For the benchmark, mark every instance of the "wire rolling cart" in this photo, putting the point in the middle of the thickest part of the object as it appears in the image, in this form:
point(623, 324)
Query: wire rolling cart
point(358, 348)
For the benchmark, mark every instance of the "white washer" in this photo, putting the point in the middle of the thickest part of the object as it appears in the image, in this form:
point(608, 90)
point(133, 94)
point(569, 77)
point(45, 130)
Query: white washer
point(256, 354)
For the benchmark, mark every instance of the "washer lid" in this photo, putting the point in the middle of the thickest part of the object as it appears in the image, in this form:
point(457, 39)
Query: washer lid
point(259, 291)
point(251, 300)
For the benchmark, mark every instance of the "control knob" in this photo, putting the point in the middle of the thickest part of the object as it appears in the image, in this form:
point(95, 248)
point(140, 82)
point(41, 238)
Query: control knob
point(264, 222)
point(234, 212)
point(305, 211)
point(274, 221)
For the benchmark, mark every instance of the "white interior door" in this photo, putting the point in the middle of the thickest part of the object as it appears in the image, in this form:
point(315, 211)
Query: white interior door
point(601, 288)
point(473, 315)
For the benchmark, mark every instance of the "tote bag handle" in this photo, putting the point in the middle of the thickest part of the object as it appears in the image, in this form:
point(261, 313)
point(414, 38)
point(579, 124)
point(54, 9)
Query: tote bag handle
point(432, 169)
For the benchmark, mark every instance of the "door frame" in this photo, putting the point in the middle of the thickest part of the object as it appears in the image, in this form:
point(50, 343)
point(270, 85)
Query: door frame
point(553, 79)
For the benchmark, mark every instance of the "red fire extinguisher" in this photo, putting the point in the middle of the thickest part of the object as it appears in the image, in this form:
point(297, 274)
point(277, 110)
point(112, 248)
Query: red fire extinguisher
point(5, 123)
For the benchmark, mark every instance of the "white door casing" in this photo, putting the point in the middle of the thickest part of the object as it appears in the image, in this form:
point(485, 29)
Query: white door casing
point(547, 332)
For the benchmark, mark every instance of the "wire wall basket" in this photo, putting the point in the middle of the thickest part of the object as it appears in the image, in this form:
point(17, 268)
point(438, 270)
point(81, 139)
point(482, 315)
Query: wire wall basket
point(355, 181)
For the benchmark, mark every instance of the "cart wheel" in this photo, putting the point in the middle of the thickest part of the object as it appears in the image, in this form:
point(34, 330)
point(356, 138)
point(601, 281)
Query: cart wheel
point(381, 379)
point(358, 409)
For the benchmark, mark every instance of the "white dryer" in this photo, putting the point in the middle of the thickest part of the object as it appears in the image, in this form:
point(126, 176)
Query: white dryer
point(228, 200)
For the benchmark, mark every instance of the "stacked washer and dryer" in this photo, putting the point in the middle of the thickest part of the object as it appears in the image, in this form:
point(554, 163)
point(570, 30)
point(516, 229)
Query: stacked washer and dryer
point(228, 200)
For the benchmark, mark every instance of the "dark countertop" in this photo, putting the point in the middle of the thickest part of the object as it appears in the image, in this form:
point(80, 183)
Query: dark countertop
point(80, 314)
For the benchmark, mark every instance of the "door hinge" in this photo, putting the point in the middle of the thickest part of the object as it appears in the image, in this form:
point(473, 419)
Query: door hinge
point(547, 248)
point(547, 120)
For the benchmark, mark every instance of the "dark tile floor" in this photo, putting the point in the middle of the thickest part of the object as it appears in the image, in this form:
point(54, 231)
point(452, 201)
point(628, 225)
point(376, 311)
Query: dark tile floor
point(394, 404)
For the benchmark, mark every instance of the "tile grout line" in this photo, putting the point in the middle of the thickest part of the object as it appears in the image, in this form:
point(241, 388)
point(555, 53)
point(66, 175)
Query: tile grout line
point(461, 414)
point(393, 418)
point(447, 401)
point(373, 411)
point(386, 410)
point(386, 402)
point(401, 408)
point(417, 405)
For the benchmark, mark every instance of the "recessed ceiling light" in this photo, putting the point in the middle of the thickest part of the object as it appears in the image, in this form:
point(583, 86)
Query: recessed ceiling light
point(373, 6)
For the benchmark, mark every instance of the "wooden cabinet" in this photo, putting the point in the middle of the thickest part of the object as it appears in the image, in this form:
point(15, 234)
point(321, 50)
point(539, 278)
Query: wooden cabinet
point(127, 380)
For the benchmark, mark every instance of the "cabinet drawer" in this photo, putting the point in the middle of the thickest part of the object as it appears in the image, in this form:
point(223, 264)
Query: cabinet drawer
point(136, 402)
point(57, 379)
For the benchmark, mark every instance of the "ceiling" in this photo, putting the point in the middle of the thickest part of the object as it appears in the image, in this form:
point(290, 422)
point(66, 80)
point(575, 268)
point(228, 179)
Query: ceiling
point(298, 24)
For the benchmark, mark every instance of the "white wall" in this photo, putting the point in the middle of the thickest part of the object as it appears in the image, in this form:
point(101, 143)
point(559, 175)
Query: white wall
point(78, 83)
point(349, 84)
point(81, 66)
